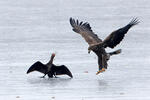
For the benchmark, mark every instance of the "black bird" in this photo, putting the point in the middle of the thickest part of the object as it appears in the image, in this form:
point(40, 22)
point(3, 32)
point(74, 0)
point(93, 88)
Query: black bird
point(50, 69)
point(96, 44)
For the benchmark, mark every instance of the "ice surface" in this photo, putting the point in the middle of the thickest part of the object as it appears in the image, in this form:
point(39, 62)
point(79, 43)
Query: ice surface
point(30, 30)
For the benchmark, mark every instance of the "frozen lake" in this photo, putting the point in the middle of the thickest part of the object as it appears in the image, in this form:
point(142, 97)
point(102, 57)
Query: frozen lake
point(30, 30)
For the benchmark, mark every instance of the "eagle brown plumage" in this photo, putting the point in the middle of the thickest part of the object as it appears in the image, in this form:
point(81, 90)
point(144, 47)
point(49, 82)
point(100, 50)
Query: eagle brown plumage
point(96, 44)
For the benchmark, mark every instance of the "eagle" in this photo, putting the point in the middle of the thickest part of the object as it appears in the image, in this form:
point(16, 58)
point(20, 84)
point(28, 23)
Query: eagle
point(50, 69)
point(98, 45)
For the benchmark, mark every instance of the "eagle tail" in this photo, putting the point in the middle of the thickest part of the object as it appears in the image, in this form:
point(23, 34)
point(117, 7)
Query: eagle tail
point(115, 52)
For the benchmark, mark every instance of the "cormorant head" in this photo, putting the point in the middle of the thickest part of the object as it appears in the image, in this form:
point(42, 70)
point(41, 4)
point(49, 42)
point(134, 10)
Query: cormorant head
point(53, 55)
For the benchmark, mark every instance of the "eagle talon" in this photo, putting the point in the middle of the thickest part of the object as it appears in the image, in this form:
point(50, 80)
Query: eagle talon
point(100, 71)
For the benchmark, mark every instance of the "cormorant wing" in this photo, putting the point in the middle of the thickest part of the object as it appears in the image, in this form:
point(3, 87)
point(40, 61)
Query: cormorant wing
point(117, 36)
point(60, 70)
point(38, 66)
point(85, 31)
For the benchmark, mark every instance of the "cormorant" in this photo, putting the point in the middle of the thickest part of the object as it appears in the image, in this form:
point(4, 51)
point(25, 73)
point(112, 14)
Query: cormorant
point(50, 69)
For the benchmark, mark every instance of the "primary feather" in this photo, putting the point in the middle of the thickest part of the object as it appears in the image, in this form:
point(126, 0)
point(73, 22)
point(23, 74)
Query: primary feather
point(84, 29)
point(117, 36)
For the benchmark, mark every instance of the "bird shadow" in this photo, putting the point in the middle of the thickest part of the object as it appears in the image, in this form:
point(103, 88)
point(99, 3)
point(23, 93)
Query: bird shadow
point(102, 84)
point(49, 81)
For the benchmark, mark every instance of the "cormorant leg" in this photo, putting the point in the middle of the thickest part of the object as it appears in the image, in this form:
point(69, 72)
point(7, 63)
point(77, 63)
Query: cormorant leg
point(100, 71)
point(43, 76)
point(55, 76)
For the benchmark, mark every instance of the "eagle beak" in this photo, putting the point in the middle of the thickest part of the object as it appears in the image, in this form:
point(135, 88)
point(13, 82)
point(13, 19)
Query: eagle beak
point(89, 51)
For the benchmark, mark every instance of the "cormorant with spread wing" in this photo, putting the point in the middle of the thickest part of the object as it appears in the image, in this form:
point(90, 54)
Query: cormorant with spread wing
point(97, 45)
point(50, 69)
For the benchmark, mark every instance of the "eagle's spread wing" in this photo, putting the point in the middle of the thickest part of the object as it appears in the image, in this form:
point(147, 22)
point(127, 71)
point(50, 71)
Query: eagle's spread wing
point(38, 66)
point(61, 70)
point(85, 30)
point(116, 37)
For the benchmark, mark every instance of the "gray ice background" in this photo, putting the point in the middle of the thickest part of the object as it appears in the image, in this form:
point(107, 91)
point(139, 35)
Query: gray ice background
point(30, 30)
